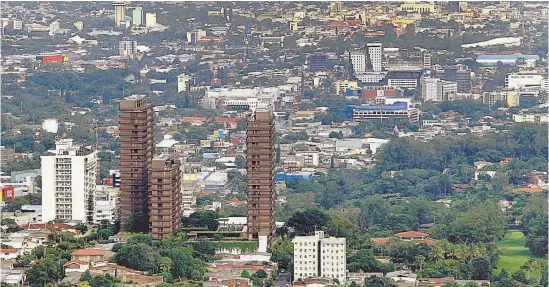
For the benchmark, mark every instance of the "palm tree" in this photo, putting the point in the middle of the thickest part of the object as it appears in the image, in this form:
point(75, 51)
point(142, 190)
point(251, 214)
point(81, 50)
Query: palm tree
point(460, 252)
point(451, 251)
point(420, 259)
point(436, 253)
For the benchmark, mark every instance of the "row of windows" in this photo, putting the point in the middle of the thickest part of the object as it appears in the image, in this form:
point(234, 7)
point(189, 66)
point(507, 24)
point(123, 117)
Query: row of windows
point(305, 256)
point(305, 243)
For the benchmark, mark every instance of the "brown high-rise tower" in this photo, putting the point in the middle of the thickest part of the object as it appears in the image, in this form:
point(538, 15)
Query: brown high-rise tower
point(136, 149)
point(260, 159)
point(165, 199)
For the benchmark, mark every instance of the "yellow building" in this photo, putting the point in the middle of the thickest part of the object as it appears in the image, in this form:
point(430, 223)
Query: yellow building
point(513, 99)
point(336, 6)
point(341, 86)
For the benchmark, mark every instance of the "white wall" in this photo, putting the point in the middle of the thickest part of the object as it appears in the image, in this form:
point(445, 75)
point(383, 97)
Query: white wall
point(48, 188)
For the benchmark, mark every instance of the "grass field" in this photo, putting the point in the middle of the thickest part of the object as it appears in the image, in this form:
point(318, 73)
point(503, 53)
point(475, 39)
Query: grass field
point(514, 253)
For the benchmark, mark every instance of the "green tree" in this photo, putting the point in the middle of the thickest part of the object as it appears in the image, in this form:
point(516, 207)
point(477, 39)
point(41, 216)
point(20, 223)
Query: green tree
point(240, 161)
point(137, 223)
point(363, 260)
point(483, 223)
point(534, 224)
point(202, 219)
point(86, 276)
point(203, 249)
point(261, 274)
point(282, 253)
point(307, 221)
point(45, 271)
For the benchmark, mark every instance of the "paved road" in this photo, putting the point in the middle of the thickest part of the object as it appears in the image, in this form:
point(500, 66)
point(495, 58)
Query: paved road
point(282, 279)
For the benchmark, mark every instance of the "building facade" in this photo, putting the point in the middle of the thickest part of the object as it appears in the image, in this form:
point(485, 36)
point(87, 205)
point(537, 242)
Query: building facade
point(189, 185)
point(68, 183)
point(505, 97)
point(137, 16)
point(317, 63)
point(119, 13)
point(136, 146)
point(358, 61)
point(165, 197)
point(383, 111)
point(437, 90)
point(150, 19)
point(429, 89)
point(127, 48)
point(319, 256)
point(106, 204)
point(375, 56)
point(260, 145)
point(523, 80)
point(6, 155)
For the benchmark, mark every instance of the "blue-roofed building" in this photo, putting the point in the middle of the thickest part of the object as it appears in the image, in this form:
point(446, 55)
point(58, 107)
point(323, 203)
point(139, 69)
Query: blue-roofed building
point(380, 112)
point(492, 60)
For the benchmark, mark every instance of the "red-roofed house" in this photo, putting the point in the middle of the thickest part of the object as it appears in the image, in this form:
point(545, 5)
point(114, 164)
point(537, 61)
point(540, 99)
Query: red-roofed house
point(8, 253)
point(235, 201)
point(89, 255)
point(411, 235)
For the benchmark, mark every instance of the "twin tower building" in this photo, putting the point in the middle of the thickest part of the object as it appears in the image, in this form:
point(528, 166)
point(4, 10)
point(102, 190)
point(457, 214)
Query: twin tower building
point(150, 186)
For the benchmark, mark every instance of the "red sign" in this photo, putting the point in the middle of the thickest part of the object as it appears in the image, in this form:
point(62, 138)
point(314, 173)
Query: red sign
point(8, 192)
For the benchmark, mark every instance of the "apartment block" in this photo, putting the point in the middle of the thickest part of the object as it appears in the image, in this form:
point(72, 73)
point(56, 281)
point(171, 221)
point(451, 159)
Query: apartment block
point(136, 146)
point(260, 144)
point(320, 256)
point(127, 48)
point(436, 90)
point(375, 56)
point(106, 204)
point(165, 197)
point(68, 182)
point(189, 185)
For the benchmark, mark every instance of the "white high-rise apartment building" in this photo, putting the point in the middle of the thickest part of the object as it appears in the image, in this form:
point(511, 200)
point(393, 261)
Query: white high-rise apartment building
point(437, 90)
point(429, 89)
point(317, 256)
point(375, 52)
point(447, 90)
point(358, 60)
point(69, 182)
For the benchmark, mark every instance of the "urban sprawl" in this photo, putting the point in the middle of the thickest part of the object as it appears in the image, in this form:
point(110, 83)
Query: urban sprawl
point(307, 144)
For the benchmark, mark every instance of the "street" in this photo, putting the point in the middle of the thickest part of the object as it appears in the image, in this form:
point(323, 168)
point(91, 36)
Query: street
point(282, 279)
